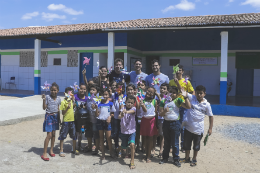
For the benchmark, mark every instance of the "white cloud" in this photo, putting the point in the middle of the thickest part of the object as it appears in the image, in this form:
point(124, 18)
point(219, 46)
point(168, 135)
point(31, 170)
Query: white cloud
point(30, 15)
point(65, 9)
point(254, 3)
point(197, 0)
point(183, 5)
point(51, 16)
point(74, 18)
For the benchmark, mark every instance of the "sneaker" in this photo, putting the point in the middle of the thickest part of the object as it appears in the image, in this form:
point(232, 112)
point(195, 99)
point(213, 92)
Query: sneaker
point(177, 163)
point(163, 161)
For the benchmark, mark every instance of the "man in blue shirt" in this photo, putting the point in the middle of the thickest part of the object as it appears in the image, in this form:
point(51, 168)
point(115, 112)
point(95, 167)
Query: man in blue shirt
point(135, 75)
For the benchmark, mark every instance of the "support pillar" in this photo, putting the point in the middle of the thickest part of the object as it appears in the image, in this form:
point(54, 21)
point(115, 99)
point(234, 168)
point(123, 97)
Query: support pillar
point(125, 62)
point(37, 67)
point(111, 49)
point(223, 67)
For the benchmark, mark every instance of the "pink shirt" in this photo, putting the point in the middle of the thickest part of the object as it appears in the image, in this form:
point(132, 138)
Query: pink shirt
point(128, 123)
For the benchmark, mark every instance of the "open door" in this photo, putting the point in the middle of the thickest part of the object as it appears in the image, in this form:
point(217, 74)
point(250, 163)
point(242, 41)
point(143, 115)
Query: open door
point(245, 82)
point(89, 68)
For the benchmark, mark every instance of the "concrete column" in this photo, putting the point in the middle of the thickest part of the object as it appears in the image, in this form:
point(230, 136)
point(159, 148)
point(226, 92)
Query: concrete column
point(125, 62)
point(223, 67)
point(37, 67)
point(111, 49)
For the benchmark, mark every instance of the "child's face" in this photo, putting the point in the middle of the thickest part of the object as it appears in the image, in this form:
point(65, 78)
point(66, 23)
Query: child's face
point(200, 95)
point(82, 90)
point(150, 93)
point(103, 72)
point(142, 86)
point(174, 94)
point(130, 91)
point(54, 91)
point(106, 96)
point(93, 91)
point(113, 87)
point(129, 103)
point(180, 72)
point(163, 90)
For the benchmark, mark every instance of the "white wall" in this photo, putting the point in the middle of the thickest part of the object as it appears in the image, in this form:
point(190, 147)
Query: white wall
point(257, 82)
point(24, 76)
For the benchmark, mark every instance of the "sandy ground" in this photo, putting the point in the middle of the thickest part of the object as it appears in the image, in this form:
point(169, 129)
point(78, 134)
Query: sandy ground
point(7, 98)
point(22, 146)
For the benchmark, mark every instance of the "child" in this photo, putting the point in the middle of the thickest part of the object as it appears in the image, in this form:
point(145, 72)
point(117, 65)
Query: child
point(103, 79)
point(115, 122)
point(113, 86)
point(128, 127)
point(163, 91)
point(91, 129)
point(80, 100)
point(104, 111)
point(171, 126)
point(52, 118)
point(179, 81)
point(148, 127)
point(68, 124)
point(142, 85)
point(194, 123)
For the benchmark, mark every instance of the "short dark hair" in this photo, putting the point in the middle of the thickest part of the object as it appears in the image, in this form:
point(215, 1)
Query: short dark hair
point(102, 67)
point(173, 88)
point(111, 83)
point(154, 91)
point(120, 83)
point(130, 85)
point(165, 84)
point(181, 67)
point(103, 90)
point(54, 84)
point(68, 89)
point(143, 81)
point(131, 98)
point(200, 88)
point(94, 86)
point(82, 84)
point(138, 60)
point(154, 61)
point(119, 60)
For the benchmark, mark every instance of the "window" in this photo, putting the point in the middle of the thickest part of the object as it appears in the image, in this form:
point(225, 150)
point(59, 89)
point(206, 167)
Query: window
point(174, 62)
point(57, 61)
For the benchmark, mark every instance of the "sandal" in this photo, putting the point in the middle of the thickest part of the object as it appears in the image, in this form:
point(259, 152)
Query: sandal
point(193, 163)
point(45, 159)
point(62, 154)
point(148, 160)
point(184, 160)
point(160, 155)
point(132, 166)
point(52, 155)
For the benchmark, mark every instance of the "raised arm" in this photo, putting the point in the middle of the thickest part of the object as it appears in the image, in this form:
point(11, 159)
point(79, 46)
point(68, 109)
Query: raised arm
point(143, 106)
point(186, 104)
point(84, 76)
point(44, 106)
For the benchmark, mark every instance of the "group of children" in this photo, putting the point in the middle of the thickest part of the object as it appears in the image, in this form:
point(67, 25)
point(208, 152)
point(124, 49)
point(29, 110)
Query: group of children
point(117, 116)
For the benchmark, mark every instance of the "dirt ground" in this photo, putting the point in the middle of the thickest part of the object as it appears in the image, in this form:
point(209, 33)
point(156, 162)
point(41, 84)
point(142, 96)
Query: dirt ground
point(22, 146)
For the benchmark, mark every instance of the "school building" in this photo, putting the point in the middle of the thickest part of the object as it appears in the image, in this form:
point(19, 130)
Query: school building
point(213, 49)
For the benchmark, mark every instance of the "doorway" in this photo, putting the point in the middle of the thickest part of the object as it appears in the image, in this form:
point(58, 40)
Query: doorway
point(245, 82)
point(149, 60)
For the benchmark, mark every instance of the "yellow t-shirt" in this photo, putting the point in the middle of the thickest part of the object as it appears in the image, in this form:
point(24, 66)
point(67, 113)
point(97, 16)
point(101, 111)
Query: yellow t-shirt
point(69, 116)
point(187, 87)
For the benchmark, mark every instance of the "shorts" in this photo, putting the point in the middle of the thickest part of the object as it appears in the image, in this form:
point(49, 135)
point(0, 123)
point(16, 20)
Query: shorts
point(188, 138)
point(160, 126)
point(68, 127)
point(127, 139)
point(51, 122)
point(103, 125)
point(91, 131)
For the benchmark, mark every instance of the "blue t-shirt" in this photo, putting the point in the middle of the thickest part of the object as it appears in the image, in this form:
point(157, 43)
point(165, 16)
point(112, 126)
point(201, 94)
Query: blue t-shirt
point(105, 109)
point(163, 79)
point(134, 77)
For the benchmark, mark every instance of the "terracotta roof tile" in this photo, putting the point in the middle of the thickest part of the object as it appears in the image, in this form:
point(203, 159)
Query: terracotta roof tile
point(209, 20)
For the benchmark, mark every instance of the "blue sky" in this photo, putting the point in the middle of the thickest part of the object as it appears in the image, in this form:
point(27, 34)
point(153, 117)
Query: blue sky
point(23, 13)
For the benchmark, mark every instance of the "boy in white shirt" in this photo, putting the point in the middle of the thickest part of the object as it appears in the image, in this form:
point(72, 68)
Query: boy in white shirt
point(194, 123)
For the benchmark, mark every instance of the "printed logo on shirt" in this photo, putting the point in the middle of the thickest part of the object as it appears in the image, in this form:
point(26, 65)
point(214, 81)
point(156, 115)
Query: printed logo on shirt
point(170, 108)
point(148, 106)
point(199, 109)
point(106, 107)
point(117, 79)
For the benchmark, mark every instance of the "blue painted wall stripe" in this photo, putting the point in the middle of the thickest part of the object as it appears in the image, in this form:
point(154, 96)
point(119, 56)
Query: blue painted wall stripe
point(239, 111)
point(37, 85)
point(223, 92)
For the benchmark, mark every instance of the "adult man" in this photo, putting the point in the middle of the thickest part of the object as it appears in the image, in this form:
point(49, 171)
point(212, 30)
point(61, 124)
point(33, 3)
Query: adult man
point(186, 85)
point(135, 75)
point(117, 74)
point(162, 78)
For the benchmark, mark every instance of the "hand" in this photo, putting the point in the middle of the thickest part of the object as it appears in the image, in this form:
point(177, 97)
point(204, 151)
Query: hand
point(167, 109)
point(69, 104)
point(124, 111)
point(176, 80)
point(109, 119)
point(99, 73)
point(183, 92)
point(84, 71)
point(209, 131)
point(43, 97)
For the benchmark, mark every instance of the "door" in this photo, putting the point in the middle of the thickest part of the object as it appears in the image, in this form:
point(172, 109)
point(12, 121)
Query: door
point(245, 82)
point(0, 67)
point(89, 68)
point(149, 60)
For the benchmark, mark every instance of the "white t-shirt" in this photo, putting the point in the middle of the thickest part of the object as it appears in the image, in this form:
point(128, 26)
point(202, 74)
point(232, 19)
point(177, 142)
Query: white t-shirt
point(194, 117)
point(174, 111)
point(105, 109)
point(150, 110)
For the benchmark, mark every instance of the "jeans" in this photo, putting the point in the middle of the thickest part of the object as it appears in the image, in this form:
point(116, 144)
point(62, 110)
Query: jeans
point(171, 134)
point(115, 131)
point(182, 113)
